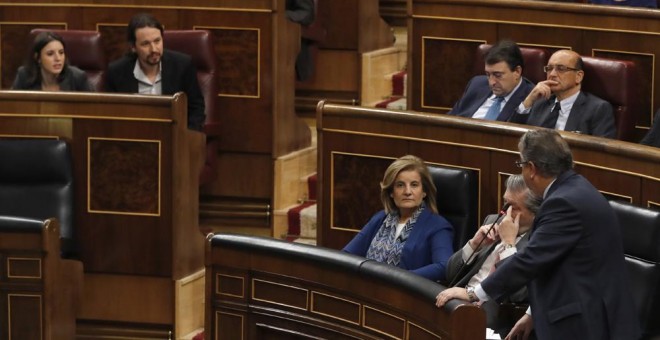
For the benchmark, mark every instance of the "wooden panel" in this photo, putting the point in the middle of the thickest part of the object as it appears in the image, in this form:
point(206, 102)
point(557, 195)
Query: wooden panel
point(128, 299)
point(117, 184)
point(619, 170)
point(25, 316)
point(384, 322)
point(435, 52)
point(346, 303)
point(146, 237)
point(229, 326)
point(28, 277)
point(613, 32)
point(336, 307)
point(238, 61)
point(24, 268)
point(354, 178)
point(280, 294)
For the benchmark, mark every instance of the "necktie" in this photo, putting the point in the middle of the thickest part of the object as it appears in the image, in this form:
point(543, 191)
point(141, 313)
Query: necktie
point(551, 121)
point(494, 110)
point(497, 251)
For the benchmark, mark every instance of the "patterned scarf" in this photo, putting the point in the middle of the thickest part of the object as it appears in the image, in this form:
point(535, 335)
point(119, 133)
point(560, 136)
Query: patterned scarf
point(384, 247)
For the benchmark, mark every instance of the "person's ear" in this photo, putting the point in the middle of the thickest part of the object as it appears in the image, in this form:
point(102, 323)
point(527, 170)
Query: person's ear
point(518, 70)
point(532, 169)
point(579, 75)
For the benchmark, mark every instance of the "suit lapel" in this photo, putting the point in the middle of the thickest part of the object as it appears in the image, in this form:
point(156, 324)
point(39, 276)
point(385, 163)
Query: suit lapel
point(167, 73)
point(573, 122)
point(542, 111)
point(477, 103)
point(510, 107)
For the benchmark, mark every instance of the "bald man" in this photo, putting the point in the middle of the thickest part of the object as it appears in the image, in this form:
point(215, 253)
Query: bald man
point(558, 102)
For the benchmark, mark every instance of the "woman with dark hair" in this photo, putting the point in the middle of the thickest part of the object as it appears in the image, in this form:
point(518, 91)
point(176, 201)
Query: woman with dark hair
point(408, 233)
point(47, 68)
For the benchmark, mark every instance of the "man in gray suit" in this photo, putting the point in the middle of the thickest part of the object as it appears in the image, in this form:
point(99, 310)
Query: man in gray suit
point(558, 102)
point(480, 255)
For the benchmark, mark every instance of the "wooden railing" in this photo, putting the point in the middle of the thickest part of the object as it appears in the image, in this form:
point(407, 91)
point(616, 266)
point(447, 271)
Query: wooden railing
point(261, 288)
point(356, 144)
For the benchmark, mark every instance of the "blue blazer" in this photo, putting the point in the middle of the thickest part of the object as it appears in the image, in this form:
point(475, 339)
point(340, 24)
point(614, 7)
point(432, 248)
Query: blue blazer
point(589, 115)
point(476, 93)
point(426, 250)
point(573, 266)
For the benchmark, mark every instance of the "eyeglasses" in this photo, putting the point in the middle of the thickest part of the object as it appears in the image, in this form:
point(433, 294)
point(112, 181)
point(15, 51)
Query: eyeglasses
point(558, 68)
point(521, 164)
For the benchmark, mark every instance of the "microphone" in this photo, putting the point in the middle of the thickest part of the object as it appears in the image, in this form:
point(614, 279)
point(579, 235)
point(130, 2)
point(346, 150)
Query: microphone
point(501, 214)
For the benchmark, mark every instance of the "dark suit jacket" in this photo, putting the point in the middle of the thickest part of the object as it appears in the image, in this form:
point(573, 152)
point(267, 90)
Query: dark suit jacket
point(652, 137)
point(426, 250)
point(573, 266)
point(178, 75)
point(589, 115)
point(476, 93)
point(73, 79)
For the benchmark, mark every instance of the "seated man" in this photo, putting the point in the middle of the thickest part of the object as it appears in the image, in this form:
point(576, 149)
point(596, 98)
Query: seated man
point(497, 94)
point(150, 69)
point(470, 265)
point(558, 103)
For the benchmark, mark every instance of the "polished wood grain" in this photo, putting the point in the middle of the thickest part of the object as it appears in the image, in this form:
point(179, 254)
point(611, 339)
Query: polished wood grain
point(356, 142)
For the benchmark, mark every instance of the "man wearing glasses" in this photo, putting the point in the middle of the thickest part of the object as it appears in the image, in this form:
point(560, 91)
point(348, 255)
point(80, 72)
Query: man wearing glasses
point(573, 265)
point(558, 103)
point(497, 94)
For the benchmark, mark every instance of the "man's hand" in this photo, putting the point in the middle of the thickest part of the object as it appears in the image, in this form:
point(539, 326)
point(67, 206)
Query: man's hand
point(450, 293)
point(508, 228)
point(521, 329)
point(482, 234)
point(541, 90)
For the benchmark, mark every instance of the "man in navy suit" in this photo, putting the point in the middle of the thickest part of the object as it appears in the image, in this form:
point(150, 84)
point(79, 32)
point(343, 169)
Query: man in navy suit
point(497, 94)
point(150, 69)
point(573, 265)
point(558, 102)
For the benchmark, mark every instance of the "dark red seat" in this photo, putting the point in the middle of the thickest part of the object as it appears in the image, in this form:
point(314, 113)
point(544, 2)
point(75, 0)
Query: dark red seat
point(199, 45)
point(535, 59)
point(615, 81)
point(84, 50)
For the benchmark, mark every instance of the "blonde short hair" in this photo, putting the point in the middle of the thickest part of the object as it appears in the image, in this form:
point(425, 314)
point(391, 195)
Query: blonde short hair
point(407, 163)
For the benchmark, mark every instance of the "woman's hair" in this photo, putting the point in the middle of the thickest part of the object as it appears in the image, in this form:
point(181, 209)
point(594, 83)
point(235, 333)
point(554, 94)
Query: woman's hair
point(406, 163)
point(32, 62)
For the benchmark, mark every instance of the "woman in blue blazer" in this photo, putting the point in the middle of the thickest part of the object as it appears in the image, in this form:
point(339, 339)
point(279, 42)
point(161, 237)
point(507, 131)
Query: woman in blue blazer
point(408, 233)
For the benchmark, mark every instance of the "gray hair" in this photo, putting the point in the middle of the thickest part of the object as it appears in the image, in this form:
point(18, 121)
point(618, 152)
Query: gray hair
point(516, 183)
point(547, 150)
